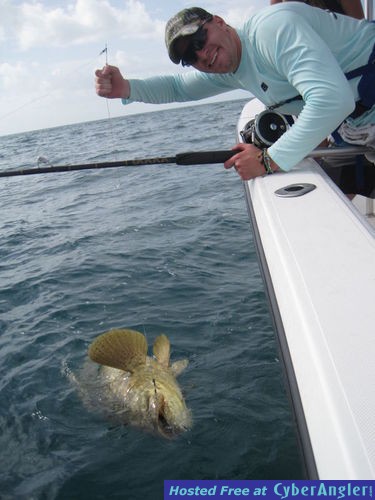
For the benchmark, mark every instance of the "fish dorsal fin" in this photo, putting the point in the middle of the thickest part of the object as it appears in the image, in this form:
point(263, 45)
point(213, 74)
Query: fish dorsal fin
point(119, 348)
point(162, 349)
point(179, 366)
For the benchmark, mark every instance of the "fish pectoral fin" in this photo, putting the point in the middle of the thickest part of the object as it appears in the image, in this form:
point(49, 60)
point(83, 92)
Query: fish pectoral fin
point(179, 366)
point(162, 349)
point(119, 348)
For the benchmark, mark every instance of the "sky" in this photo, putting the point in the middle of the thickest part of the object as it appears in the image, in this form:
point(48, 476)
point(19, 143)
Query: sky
point(49, 51)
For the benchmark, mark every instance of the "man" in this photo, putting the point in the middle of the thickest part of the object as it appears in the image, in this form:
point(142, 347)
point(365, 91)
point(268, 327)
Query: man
point(282, 51)
point(353, 174)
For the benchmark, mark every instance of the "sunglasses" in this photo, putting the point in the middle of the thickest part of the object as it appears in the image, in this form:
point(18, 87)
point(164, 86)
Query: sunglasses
point(196, 43)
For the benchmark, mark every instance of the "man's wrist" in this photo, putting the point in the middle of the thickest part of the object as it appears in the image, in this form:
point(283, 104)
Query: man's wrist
point(126, 90)
point(266, 161)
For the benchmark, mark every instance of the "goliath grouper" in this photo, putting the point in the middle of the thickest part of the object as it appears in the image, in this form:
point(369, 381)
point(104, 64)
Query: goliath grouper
point(143, 390)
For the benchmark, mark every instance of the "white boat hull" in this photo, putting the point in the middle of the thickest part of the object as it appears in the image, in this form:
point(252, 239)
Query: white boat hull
point(318, 260)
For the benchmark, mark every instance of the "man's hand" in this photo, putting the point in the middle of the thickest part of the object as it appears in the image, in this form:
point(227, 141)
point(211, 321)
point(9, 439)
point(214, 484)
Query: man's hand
point(110, 83)
point(248, 162)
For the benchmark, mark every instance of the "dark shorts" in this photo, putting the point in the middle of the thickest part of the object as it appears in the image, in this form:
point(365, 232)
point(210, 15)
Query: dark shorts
point(352, 175)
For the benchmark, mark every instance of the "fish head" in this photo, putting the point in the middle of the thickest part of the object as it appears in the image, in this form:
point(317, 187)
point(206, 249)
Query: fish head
point(171, 416)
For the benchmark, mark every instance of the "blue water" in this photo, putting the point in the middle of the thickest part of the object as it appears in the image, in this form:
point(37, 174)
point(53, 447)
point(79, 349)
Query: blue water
point(160, 249)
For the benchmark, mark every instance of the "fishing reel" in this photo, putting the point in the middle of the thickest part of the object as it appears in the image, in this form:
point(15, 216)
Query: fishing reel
point(266, 128)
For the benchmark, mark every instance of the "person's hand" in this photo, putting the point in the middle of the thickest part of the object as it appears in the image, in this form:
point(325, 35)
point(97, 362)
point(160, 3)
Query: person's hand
point(110, 83)
point(247, 162)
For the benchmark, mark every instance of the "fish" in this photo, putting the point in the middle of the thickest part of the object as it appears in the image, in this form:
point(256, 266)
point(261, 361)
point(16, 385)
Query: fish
point(141, 390)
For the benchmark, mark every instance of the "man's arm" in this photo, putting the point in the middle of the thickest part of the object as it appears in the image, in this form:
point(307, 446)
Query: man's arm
point(184, 87)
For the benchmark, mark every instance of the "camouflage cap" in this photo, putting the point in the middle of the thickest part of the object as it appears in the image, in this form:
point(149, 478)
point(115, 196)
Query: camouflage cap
point(184, 23)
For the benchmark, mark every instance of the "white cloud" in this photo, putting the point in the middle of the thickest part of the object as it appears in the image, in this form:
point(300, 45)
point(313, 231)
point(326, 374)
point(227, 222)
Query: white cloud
point(235, 13)
point(38, 25)
point(29, 78)
point(11, 75)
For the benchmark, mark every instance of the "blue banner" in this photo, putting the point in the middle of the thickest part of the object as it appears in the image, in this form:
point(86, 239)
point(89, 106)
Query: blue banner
point(279, 490)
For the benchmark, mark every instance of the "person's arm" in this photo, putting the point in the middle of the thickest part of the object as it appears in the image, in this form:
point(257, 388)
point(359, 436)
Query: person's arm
point(289, 46)
point(184, 87)
point(275, 1)
point(179, 87)
point(353, 8)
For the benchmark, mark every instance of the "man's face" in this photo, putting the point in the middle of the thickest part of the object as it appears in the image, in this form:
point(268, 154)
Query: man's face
point(221, 52)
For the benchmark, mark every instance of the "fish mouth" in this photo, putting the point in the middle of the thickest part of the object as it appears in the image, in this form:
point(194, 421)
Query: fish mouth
point(167, 430)
point(164, 428)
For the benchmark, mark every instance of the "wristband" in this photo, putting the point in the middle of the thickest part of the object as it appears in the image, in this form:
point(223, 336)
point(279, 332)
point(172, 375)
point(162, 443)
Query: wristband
point(265, 160)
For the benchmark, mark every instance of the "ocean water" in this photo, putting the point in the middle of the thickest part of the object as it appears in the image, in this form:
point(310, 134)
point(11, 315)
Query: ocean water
point(160, 249)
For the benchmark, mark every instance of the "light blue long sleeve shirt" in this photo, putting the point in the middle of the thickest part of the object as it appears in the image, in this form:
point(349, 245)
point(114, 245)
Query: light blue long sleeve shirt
point(287, 49)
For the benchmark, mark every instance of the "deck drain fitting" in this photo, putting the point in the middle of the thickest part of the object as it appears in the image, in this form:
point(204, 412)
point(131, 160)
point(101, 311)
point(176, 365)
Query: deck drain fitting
point(294, 190)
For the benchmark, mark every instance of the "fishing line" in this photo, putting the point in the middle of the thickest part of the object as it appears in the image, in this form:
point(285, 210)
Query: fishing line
point(44, 96)
point(38, 152)
point(110, 122)
point(112, 141)
point(27, 103)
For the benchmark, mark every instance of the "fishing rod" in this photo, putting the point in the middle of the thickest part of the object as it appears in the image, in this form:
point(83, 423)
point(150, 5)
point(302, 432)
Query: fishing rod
point(191, 158)
point(204, 157)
